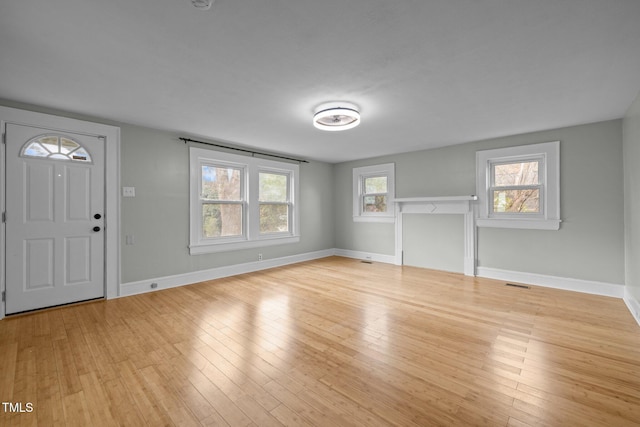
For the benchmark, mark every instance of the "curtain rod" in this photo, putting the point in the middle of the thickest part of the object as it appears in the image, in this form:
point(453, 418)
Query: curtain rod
point(243, 150)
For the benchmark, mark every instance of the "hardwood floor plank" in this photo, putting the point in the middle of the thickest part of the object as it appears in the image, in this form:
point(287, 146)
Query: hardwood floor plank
point(331, 342)
point(123, 408)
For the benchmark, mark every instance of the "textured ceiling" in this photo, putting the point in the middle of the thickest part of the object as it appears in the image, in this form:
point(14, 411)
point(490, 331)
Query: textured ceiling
point(425, 73)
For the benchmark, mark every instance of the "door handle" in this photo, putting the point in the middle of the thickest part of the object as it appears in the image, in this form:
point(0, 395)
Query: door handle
point(96, 228)
point(97, 216)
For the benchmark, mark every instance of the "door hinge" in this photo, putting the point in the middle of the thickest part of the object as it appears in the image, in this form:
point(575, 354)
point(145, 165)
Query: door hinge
point(4, 137)
point(4, 296)
point(4, 217)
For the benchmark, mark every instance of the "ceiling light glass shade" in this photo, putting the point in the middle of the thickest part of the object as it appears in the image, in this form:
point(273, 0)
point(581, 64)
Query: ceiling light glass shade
point(336, 116)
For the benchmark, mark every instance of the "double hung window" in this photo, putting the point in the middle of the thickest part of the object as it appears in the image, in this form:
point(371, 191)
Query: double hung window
point(223, 200)
point(516, 188)
point(373, 193)
point(519, 187)
point(275, 203)
point(240, 202)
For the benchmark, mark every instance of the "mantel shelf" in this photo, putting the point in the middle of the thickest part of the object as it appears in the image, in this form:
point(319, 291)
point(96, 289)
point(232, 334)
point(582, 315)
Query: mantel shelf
point(436, 199)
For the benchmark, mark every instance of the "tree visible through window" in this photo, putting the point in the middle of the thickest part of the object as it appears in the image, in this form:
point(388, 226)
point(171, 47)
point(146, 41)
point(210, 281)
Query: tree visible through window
point(274, 202)
point(222, 201)
point(240, 202)
point(516, 187)
point(519, 186)
point(375, 194)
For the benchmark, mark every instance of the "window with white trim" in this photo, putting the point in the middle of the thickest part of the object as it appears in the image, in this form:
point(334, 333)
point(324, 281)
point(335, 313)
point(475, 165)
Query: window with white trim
point(374, 193)
point(519, 187)
point(239, 202)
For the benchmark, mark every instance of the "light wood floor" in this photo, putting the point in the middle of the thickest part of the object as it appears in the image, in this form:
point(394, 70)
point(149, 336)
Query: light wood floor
point(333, 342)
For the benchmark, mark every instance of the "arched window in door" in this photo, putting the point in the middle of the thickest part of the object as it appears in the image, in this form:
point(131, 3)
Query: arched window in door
point(58, 147)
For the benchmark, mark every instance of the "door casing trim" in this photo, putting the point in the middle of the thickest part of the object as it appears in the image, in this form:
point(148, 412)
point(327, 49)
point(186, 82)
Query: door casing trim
point(111, 135)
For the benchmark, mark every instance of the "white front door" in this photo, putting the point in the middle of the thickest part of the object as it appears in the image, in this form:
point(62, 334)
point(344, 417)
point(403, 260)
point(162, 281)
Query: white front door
point(55, 184)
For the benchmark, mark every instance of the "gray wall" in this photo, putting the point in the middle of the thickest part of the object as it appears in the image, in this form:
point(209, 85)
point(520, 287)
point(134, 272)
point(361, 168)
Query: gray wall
point(157, 164)
point(631, 149)
point(589, 244)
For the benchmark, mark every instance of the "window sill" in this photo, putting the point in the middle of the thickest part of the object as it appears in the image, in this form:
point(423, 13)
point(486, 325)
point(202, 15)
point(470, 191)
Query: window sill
point(387, 219)
point(247, 244)
point(530, 224)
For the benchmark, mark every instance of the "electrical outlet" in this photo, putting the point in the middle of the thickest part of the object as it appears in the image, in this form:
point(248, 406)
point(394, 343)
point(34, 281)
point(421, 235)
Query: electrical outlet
point(259, 257)
point(128, 191)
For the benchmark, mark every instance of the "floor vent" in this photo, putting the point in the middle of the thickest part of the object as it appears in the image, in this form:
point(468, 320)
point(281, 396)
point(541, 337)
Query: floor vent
point(516, 285)
point(366, 261)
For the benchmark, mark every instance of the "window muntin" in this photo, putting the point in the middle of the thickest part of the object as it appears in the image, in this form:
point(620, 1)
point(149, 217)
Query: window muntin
point(222, 199)
point(516, 187)
point(275, 207)
point(56, 147)
point(373, 193)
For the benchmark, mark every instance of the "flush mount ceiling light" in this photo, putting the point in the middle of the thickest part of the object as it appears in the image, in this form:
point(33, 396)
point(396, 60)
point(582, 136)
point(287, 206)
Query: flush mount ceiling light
point(334, 116)
point(202, 4)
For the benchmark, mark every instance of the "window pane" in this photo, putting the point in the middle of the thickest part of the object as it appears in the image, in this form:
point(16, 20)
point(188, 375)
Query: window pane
point(516, 201)
point(50, 143)
point(274, 218)
point(522, 173)
point(375, 184)
point(221, 220)
point(375, 203)
point(67, 145)
point(273, 187)
point(221, 183)
point(36, 150)
point(54, 147)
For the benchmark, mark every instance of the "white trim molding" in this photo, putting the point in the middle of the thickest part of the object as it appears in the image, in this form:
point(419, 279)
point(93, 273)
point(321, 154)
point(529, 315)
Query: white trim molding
point(632, 304)
point(568, 284)
point(166, 282)
point(440, 205)
point(365, 256)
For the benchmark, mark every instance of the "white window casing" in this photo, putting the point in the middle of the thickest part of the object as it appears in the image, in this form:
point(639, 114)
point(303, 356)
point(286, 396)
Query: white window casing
point(250, 168)
point(547, 157)
point(359, 176)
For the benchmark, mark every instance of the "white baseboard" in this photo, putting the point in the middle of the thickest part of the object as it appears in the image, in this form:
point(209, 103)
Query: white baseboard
point(368, 256)
point(166, 282)
point(143, 286)
point(577, 285)
point(632, 304)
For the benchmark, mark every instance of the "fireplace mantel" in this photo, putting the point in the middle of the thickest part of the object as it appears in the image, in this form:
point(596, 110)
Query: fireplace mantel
point(440, 205)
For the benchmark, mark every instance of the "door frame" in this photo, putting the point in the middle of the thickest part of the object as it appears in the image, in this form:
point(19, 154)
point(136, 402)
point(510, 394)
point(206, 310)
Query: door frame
point(111, 137)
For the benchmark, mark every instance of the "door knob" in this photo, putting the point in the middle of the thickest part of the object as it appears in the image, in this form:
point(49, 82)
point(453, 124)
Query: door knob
point(97, 216)
point(96, 228)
